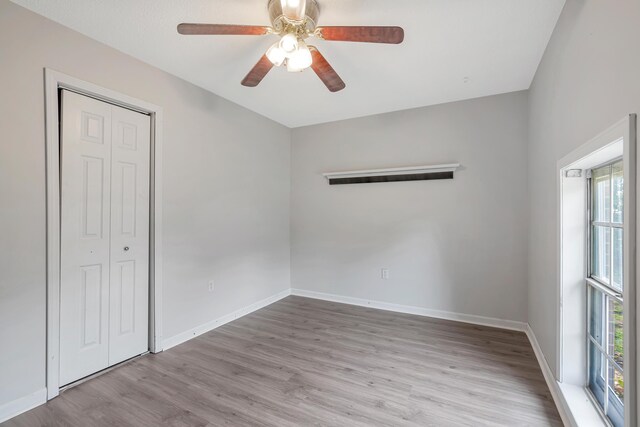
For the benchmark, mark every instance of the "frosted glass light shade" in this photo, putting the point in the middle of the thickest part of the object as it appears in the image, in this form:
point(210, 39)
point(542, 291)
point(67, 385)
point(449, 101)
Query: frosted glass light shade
point(276, 55)
point(300, 60)
point(289, 44)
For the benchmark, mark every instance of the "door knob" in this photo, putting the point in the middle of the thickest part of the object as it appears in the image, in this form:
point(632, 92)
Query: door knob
point(126, 248)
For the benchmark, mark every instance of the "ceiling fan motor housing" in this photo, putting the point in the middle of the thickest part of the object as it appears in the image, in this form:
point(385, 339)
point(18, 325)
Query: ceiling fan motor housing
point(282, 25)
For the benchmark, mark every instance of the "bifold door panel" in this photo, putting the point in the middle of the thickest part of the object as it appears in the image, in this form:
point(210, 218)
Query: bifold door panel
point(129, 268)
point(105, 156)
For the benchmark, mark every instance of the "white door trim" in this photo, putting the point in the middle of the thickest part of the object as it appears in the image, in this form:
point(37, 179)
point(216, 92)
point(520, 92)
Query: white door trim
point(54, 81)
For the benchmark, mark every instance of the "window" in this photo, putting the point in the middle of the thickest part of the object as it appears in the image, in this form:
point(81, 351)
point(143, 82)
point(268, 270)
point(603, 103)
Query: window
point(596, 347)
point(605, 285)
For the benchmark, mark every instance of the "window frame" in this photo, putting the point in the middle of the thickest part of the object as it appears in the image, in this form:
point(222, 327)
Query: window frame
point(569, 368)
point(610, 224)
point(609, 292)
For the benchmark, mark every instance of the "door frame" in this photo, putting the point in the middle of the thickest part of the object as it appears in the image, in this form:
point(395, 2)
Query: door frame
point(54, 81)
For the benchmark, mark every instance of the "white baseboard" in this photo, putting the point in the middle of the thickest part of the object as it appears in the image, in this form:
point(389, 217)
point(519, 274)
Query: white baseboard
point(550, 379)
point(419, 311)
point(23, 404)
point(216, 323)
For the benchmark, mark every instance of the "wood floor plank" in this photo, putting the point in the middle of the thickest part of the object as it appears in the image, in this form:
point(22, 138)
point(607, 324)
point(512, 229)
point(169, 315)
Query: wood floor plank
point(309, 362)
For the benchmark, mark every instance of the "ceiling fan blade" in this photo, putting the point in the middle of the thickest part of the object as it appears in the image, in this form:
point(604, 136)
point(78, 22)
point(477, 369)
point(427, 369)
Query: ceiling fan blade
point(222, 29)
point(392, 35)
point(258, 72)
point(325, 71)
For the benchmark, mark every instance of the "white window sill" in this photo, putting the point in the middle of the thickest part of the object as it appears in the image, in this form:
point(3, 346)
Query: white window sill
point(581, 407)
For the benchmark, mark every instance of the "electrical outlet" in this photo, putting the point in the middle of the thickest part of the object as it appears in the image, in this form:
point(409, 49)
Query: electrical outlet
point(384, 273)
point(211, 286)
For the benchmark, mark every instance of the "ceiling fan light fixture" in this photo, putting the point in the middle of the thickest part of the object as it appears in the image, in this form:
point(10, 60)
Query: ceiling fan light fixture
point(276, 55)
point(289, 44)
point(300, 60)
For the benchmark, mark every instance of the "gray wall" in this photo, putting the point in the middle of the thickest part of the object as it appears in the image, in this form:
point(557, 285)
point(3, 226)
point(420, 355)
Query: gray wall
point(226, 191)
point(588, 80)
point(457, 245)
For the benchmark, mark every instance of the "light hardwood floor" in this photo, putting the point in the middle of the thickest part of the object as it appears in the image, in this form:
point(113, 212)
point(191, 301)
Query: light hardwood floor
point(308, 362)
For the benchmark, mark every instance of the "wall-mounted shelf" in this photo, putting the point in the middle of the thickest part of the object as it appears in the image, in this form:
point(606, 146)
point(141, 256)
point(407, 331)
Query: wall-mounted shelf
point(411, 173)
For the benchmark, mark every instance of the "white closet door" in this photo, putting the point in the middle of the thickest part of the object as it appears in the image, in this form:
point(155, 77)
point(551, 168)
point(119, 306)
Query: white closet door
point(85, 236)
point(104, 284)
point(130, 157)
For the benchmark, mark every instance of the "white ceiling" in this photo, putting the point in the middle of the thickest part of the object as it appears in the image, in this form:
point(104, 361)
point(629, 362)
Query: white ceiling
point(453, 50)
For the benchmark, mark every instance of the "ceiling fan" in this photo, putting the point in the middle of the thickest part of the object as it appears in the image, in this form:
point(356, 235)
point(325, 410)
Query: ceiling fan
point(295, 21)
